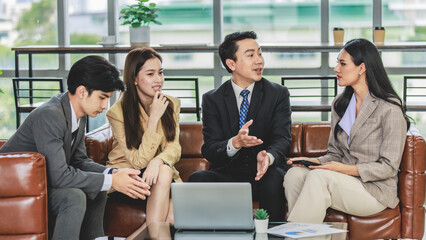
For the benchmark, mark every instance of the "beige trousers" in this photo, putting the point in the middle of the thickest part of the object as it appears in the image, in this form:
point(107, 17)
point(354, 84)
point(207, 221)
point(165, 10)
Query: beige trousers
point(310, 192)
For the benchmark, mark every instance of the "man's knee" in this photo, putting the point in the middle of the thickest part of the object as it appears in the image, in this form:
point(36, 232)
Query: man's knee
point(271, 183)
point(101, 198)
point(199, 176)
point(71, 199)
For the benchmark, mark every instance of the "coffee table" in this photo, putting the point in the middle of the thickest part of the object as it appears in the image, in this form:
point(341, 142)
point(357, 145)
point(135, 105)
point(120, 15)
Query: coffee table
point(165, 231)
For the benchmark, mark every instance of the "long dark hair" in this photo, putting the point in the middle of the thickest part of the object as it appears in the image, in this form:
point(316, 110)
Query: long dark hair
point(379, 85)
point(131, 103)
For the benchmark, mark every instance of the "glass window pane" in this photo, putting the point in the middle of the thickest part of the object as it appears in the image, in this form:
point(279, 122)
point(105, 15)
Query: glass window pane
point(188, 22)
point(355, 17)
point(187, 60)
point(277, 22)
point(87, 21)
point(24, 23)
point(274, 21)
point(404, 21)
point(182, 22)
point(7, 109)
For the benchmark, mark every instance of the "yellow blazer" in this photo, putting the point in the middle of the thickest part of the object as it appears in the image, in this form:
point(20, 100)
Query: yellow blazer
point(377, 141)
point(153, 144)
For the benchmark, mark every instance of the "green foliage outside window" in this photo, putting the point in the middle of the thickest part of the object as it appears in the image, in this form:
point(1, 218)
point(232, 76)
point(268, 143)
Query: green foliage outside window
point(1, 91)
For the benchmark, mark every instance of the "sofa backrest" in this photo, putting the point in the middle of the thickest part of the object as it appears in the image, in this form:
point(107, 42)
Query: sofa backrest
point(2, 141)
point(308, 139)
point(411, 186)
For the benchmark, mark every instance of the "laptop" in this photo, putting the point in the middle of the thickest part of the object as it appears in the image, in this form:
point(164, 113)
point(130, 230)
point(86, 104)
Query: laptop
point(212, 206)
point(213, 235)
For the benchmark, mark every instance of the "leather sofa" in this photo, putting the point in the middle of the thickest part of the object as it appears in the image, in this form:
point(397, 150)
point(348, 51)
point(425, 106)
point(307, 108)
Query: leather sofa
point(23, 202)
point(407, 220)
point(23, 196)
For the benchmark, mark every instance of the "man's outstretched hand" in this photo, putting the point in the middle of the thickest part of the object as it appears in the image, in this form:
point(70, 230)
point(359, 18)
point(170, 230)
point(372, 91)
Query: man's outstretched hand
point(243, 139)
point(262, 164)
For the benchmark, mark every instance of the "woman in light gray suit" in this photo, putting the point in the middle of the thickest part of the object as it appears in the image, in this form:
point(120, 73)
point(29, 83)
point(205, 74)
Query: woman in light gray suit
point(358, 175)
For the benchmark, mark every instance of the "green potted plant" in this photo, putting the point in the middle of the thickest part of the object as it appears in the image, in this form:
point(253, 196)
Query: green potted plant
point(261, 220)
point(138, 16)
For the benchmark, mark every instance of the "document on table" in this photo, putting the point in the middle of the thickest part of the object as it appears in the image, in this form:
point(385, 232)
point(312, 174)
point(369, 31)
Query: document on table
point(301, 230)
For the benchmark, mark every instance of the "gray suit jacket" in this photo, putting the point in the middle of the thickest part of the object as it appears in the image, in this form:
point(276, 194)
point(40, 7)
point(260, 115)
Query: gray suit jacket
point(376, 145)
point(47, 130)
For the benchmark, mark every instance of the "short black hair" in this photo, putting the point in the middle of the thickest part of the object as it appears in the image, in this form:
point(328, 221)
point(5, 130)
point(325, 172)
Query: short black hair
point(228, 48)
point(95, 73)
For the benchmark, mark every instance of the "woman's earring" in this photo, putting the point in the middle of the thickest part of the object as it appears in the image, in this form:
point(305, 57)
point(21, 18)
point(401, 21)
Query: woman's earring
point(360, 73)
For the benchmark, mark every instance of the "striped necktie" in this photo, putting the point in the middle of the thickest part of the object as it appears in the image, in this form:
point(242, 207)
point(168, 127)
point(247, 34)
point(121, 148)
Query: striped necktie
point(244, 107)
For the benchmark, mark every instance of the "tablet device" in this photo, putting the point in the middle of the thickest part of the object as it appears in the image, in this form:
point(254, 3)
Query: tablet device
point(306, 163)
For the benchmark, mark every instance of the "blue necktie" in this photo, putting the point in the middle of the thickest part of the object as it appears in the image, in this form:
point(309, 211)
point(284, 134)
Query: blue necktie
point(244, 107)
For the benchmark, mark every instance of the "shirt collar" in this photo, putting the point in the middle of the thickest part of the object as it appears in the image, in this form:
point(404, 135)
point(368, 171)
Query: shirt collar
point(349, 117)
point(74, 122)
point(238, 89)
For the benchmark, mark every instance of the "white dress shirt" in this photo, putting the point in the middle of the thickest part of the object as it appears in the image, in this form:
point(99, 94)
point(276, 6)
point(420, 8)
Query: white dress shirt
point(74, 126)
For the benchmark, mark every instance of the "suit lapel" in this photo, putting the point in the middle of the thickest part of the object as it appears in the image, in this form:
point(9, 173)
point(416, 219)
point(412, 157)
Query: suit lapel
point(256, 99)
point(367, 108)
point(230, 103)
point(80, 131)
point(66, 106)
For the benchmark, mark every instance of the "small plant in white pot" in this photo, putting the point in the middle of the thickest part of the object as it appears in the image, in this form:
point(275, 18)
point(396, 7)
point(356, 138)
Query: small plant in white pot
point(138, 16)
point(261, 220)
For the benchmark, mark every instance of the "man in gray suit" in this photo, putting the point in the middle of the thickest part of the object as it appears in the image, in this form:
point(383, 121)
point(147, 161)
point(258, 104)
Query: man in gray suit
point(76, 184)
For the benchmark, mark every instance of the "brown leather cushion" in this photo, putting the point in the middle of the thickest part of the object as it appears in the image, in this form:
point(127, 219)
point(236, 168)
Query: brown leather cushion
point(385, 224)
point(411, 184)
point(122, 217)
point(186, 166)
point(296, 140)
point(2, 141)
point(23, 202)
point(99, 144)
point(335, 216)
point(315, 139)
point(191, 139)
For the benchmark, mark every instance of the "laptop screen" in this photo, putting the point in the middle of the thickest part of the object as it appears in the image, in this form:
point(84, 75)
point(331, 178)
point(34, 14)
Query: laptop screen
point(212, 206)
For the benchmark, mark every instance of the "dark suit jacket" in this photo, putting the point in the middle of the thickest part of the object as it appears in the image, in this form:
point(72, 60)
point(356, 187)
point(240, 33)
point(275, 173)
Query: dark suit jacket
point(47, 130)
point(271, 114)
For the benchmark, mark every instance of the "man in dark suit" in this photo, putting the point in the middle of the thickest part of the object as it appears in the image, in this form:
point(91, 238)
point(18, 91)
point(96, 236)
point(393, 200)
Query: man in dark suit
point(76, 184)
point(247, 126)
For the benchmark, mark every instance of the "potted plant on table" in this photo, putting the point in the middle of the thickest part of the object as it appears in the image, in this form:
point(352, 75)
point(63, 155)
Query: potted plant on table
point(261, 220)
point(138, 16)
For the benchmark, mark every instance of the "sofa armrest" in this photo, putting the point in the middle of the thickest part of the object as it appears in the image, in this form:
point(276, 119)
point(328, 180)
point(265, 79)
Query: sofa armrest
point(412, 187)
point(23, 195)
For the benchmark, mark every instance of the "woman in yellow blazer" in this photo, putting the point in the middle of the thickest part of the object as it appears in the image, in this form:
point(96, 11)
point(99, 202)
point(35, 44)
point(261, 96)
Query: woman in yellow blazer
point(145, 130)
point(359, 173)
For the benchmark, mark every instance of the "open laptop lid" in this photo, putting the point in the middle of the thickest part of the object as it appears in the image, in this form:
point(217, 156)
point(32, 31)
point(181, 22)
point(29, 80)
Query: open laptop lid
point(212, 206)
point(213, 235)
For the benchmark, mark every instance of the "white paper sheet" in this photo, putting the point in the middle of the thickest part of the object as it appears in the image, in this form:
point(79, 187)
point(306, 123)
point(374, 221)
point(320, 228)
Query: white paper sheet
point(301, 230)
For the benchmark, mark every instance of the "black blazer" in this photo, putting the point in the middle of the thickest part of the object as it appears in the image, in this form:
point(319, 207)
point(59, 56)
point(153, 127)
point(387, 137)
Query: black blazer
point(271, 114)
